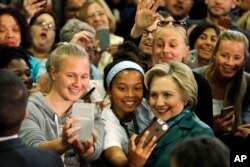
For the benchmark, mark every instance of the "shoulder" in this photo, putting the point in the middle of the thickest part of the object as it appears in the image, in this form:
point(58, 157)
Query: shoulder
point(200, 70)
point(199, 127)
point(33, 156)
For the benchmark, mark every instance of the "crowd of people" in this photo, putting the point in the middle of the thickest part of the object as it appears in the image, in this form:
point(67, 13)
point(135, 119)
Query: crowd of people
point(136, 61)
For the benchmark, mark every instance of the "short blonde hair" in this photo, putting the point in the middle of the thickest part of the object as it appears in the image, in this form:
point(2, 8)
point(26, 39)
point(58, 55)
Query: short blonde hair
point(111, 18)
point(182, 75)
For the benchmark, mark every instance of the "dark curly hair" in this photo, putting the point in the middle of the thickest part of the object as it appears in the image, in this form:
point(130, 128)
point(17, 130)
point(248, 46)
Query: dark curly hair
point(10, 53)
point(22, 23)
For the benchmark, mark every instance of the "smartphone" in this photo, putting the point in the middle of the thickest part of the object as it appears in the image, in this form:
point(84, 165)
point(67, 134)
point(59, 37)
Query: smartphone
point(103, 36)
point(85, 111)
point(224, 22)
point(157, 128)
point(88, 94)
point(226, 110)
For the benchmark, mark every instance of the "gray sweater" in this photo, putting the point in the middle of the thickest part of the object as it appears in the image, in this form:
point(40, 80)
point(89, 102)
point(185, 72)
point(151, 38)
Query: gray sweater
point(43, 124)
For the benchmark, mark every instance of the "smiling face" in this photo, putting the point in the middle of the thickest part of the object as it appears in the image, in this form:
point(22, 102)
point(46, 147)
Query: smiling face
point(126, 92)
point(42, 32)
point(169, 45)
point(10, 33)
point(229, 58)
point(72, 78)
point(97, 16)
point(205, 44)
point(165, 101)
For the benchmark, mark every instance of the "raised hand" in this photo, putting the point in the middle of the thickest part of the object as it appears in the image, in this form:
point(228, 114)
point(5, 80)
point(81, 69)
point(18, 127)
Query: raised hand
point(138, 154)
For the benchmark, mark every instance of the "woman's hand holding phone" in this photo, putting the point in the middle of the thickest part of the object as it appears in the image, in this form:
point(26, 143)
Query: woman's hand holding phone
point(85, 149)
point(139, 153)
point(32, 6)
point(224, 122)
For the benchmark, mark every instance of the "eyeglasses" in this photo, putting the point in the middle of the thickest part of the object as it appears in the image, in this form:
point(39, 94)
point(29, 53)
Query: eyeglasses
point(174, 22)
point(45, 25)
point(145, 33)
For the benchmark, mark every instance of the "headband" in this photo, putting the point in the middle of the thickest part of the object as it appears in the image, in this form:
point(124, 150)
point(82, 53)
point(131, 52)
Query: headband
point(120, 67)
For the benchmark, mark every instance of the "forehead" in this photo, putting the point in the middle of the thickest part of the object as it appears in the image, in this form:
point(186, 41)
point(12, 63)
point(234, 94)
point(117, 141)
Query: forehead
point(169, 33)
point(75, 3)
point(128, 75)
point(230, 44)
point(45, 16)
point(17, 63)
point(7, 18)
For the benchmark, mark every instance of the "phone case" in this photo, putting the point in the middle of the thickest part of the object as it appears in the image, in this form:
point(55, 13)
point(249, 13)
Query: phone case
point(224, 22)
point(156, 128)
point(103, 36)
point(85, 111)
point(226, 110)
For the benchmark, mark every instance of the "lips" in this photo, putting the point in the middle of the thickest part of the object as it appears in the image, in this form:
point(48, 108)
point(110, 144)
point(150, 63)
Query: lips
point(44, 35)
point(11, 43)
point(178, 7)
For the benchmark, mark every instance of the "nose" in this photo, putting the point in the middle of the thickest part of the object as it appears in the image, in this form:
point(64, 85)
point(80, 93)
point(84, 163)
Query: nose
point(130, 93)
point(230, 61)
point(77, 81)
point(9, 34)
point(159, 101)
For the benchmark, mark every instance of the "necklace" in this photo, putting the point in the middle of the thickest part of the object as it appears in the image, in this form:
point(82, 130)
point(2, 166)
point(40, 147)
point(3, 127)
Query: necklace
point(123, 123)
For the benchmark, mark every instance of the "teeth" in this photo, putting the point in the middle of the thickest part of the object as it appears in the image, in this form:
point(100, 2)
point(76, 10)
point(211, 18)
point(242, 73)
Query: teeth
point(129, 103)
point(74, 90)
point(161, 110)
point(228, 69)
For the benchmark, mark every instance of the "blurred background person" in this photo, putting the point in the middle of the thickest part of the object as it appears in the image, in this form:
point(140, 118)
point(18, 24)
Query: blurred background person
point(81, 33)
point(202, 40)
point(13, 105)
point(97, 14)
point(15, 33)
point(44, 32)
point(199, 151)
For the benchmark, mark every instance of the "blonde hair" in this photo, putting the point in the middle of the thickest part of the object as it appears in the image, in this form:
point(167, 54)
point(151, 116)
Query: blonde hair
point(62, 51)
point(236, 88)
point(182, 75)
point(84, 9)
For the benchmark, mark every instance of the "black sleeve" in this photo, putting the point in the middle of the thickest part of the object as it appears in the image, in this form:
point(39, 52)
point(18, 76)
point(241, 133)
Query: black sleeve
point(204, 108)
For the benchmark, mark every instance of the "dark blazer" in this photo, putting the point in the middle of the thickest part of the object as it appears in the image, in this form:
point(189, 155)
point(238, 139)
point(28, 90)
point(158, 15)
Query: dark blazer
point(14, 153)
point(187, 127)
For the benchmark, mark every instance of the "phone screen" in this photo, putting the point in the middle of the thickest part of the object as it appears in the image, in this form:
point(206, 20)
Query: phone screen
point(226, 110)
point(103, 36)
point(85, 111)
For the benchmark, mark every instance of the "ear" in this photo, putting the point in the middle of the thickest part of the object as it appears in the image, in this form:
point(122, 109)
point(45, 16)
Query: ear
point(233, 5)
point(52, 73)
point(186, 50)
